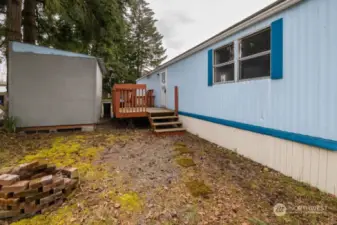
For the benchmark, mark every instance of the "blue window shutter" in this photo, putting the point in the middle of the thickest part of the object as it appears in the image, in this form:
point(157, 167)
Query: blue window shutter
point(277, 49)
point(210, 67)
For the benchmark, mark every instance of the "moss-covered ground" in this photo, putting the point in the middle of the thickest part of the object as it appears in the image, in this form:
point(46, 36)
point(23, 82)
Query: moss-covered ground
point(132, 177)
point(185, 162)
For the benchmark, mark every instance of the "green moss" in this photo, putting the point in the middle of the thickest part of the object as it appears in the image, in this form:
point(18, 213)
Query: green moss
point(179, 144)
point(198, 188)
point(74, 152)
point(185, 162)
point(255, 221)
point(130, 202)
point(191, 215)
point(61, 216)
point(81, 151)
point(254, 185)
point(182, 150)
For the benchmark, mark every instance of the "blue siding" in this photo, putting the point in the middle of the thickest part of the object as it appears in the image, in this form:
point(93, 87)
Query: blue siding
point(152, 82)
point(303, 102)
point(277, 49)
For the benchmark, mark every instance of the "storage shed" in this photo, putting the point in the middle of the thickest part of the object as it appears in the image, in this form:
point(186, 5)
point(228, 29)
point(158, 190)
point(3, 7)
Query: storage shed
point(265, 88)
point(50, 88)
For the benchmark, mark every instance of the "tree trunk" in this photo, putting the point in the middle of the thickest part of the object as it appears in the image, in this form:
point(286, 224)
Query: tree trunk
point(29, 21)
point(13, 28)
point(14, 20)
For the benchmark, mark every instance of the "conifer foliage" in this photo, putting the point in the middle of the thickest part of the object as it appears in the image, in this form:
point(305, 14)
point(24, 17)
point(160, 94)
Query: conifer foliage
point(121, 32)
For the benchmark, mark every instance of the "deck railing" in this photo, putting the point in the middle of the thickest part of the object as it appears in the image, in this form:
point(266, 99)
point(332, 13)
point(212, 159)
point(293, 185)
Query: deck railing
point(150, 98)
point(129, 100)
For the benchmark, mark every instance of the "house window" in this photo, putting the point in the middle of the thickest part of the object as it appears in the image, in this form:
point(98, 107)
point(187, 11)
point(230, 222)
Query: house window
point(255, 55)
point(224, 64)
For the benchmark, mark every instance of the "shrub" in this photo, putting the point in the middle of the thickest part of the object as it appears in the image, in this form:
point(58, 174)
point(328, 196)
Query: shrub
point(9, 124)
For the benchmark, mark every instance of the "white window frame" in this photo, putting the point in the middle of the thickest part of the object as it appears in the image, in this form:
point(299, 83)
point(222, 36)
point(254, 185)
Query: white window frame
point(224, 64)
point(260, 54)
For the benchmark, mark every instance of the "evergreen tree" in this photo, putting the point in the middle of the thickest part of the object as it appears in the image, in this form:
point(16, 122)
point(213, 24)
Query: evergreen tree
point(122, 32)
point(148, 51)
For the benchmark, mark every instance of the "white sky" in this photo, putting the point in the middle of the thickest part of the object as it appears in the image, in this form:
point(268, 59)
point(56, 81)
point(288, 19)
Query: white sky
point(186, 23)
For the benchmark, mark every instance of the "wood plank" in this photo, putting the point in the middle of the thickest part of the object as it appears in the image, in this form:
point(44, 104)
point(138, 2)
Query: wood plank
point(169, 130)
point(57, 127)
point(132, 115)
point(164, 117)
point(129, 86)
point(175, 133)
point(158, 110)
point(167, 123)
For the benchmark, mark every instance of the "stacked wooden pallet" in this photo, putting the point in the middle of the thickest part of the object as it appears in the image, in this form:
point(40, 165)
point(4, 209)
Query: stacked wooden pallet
point(34, 188)
point(166, 122)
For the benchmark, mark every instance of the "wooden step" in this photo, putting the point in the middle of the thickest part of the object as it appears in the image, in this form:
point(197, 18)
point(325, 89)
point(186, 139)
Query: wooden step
point(167, 123)
point(164, 117)
point(161, 114)
point(168, 130)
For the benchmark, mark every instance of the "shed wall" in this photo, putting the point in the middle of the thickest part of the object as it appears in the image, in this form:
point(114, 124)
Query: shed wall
point(50, 90)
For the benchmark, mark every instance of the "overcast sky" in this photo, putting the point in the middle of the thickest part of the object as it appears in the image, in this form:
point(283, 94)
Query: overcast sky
point(186, 23)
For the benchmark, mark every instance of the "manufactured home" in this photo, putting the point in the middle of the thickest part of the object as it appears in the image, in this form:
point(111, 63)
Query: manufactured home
point(53, 89)
point(265, 88)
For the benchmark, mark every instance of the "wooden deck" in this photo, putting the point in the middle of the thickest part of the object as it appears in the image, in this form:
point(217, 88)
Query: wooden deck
point(131, 100)
point(134, 100)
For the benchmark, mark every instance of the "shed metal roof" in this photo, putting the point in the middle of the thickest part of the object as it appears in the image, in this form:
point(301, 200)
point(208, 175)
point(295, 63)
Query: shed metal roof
point(29, 48)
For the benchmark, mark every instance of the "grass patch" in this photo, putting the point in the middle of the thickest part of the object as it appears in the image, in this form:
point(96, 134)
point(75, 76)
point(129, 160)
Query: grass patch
point(185, 162)
point(198, 188)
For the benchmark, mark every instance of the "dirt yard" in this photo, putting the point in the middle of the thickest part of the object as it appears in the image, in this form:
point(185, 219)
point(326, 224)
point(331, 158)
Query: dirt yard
point(132, 177)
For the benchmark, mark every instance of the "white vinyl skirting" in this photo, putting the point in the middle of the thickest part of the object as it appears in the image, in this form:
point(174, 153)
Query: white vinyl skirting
point(304, 163)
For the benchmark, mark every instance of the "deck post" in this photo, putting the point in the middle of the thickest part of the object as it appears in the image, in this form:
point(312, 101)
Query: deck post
point(176, 100)
point(113, 101)
point(117, 103)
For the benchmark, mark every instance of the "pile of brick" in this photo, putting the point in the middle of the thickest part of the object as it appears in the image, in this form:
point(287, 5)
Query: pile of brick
point(34, 188)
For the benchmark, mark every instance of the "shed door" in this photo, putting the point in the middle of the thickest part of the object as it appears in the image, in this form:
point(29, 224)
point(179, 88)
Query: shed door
point(163, 88)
